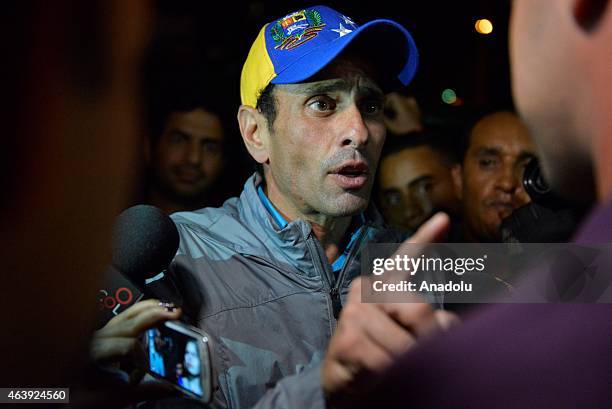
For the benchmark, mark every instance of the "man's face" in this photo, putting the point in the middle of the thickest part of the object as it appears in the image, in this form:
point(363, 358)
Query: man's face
point(414, 183)
point(187, 158)
point(490, 179)
point(326, 142)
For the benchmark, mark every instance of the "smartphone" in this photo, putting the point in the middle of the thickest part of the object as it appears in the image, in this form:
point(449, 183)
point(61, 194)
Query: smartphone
point(180, 354)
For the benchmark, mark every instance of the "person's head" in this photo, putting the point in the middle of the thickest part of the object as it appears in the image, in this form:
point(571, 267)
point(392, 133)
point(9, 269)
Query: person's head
point(489, 179)
point(192, 358)
point(185, 150)
point(560, 55)
point(415, 180)
point(312, 93)
point(186, 158)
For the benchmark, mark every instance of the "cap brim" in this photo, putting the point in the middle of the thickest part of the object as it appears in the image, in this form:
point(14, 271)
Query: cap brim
point(388, 31)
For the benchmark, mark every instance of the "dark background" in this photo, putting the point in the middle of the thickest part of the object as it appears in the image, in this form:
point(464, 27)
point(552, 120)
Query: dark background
point(202, 46)
point(453, 54)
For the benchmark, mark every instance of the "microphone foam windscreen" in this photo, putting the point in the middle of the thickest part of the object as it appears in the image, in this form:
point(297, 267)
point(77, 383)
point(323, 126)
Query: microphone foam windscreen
point(144, 242)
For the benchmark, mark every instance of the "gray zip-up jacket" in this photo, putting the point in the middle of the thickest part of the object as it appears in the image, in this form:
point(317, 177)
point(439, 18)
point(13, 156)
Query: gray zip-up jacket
point(267, 296)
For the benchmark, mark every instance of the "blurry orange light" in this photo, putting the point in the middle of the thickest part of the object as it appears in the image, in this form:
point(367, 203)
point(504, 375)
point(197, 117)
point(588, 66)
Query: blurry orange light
point(484, 26)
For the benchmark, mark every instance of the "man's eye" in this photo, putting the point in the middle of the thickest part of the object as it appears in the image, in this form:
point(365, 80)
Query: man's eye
point(424, 186)
point(372, 107)
point(211, 147)
point(322, 104)
point(176, 138)
point(487, 163)
point(393, 199)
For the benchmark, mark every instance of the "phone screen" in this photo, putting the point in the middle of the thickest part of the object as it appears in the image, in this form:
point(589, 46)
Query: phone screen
point(176, 356)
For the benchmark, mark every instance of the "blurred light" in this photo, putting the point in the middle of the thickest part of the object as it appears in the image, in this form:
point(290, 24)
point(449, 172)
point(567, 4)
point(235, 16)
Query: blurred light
point(484, 26)
point(449, 96)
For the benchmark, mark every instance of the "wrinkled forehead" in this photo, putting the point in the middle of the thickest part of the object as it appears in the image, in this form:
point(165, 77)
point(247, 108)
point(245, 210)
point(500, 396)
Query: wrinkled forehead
point(345, 73)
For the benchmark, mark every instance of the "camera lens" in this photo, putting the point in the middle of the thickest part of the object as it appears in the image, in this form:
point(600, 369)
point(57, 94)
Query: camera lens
point(533, 180)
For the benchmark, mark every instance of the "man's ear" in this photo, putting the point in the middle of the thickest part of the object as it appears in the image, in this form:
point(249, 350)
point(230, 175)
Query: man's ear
point(589, 13)
point(254, 131)
point(457, 174)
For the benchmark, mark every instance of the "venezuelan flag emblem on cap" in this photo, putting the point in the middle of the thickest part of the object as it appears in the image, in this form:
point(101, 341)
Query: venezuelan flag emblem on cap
point(295, 47)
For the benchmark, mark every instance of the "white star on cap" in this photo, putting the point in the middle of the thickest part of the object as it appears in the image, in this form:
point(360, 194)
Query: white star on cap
point(347, 20)
point(342, 30)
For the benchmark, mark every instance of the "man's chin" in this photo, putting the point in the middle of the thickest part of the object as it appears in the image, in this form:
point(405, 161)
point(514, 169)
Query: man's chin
point(493, 232)
point(348, 206)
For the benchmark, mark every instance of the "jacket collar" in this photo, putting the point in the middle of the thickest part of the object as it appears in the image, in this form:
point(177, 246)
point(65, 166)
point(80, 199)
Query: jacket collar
point(289, 238)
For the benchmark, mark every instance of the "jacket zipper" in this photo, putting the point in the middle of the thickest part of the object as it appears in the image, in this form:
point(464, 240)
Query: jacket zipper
point(335, 291)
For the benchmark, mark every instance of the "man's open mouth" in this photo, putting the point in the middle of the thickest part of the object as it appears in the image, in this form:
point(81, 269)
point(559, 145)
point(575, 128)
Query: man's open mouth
point(351, 175)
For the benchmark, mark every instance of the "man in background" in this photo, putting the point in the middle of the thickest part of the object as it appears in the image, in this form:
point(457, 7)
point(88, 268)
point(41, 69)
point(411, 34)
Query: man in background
point(184, 156)
point(489, 179)
point(415, 180)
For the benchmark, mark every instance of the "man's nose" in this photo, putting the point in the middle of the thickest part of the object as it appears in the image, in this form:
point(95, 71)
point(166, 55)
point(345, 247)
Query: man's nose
point(418, 203)
point(193, 154)
point(356, 133)
point(507, 180)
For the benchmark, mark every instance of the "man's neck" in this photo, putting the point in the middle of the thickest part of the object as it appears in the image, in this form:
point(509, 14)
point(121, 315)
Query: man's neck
point(330, 231)
point(332, 236)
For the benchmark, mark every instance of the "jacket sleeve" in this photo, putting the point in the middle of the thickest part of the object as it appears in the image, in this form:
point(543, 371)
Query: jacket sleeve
point(302, 390)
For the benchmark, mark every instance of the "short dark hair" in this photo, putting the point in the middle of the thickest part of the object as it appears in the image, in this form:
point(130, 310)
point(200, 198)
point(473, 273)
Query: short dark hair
point(266, 104)
point(172, 82)
point(473, 119)
point(441, 142)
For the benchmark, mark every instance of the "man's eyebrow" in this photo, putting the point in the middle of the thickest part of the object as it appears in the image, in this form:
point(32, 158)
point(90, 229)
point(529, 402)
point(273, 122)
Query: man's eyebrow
point(322, 87)
point(390, 190)
point(177, 131)
point(204, 139)
point(488, 151)
point(419, 180)
point(209, 139)
point(525, 155)
point(371, 91)
point(332, 86)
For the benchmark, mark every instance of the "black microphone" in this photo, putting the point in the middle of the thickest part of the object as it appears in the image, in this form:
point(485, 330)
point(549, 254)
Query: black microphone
point(144, 242)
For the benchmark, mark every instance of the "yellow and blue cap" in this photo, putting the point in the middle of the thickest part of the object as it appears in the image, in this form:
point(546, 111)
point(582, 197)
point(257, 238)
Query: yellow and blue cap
point(294, 48)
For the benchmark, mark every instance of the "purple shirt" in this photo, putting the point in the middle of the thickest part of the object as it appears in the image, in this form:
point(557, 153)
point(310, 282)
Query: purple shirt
point(514, 355)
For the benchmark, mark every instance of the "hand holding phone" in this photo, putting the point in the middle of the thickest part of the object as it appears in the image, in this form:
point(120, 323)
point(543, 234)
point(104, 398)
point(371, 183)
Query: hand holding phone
point(179, 354)
point(117, 341)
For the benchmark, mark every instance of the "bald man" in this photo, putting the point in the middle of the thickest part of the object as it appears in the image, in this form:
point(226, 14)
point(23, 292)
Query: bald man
point(489, 180)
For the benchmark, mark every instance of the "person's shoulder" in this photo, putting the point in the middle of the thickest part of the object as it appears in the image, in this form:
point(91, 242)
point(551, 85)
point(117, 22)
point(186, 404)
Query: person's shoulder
point(223, 226)
point(206, 217)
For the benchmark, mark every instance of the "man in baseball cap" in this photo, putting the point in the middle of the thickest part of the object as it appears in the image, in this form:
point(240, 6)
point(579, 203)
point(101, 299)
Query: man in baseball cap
point(296, 47)
point(273, 266)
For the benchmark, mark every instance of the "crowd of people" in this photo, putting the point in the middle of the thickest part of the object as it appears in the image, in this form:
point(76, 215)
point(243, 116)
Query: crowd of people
point(271, 249)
